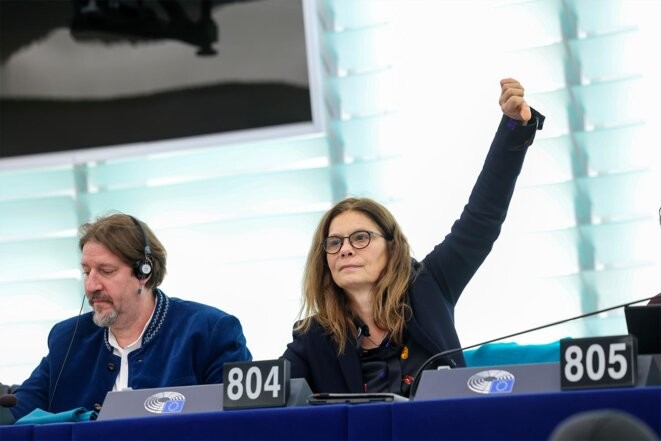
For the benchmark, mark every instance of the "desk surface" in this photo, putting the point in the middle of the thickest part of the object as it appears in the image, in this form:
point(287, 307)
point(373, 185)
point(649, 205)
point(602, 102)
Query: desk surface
point(512, 417)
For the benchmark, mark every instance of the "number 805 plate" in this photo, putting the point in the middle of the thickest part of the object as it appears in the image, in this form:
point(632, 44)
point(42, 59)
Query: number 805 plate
point(598, 362)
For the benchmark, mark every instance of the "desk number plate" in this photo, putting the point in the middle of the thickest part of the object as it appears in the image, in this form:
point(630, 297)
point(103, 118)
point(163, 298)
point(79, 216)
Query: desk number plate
point(250, 384)
point(598, 362)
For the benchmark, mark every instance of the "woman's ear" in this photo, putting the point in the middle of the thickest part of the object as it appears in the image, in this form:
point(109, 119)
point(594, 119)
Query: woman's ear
point(391, 248)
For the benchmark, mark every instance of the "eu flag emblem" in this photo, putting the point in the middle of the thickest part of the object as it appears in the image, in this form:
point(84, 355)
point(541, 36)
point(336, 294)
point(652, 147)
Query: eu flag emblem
point(502, 386)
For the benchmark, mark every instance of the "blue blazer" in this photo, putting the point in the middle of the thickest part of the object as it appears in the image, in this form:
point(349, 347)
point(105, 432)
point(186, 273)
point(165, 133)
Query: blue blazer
point(185, 343)
point(440, 277)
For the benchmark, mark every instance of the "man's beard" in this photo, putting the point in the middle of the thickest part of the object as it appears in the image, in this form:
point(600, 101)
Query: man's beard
point(106, 320)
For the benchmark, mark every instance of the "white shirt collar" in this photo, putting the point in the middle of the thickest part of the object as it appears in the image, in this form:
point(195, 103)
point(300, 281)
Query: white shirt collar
point(122, 380)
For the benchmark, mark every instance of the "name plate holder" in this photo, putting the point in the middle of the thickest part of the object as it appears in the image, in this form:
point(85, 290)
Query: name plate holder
point(605, 362)
point(488, 380)
point(267, 383)
point(515, 379)
point(598, 362)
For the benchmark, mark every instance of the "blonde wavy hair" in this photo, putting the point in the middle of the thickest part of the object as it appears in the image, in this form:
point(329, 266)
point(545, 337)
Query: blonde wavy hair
point(327, 303)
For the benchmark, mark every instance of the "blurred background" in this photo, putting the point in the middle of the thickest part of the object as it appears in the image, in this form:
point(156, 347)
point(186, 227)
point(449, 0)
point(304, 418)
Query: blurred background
point(230, 127)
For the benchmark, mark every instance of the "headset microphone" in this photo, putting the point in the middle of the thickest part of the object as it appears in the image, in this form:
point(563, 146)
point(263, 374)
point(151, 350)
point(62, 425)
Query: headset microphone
point(142, 268)
point(440, 355)
point(66, 355)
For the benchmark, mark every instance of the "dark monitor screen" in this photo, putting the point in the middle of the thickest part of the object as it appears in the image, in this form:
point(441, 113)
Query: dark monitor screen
point(84, 74)
point(644, 322)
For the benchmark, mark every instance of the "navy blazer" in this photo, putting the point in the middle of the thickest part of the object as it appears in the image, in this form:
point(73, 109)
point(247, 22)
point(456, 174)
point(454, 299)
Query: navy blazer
point(185, 343)
point(440, 277)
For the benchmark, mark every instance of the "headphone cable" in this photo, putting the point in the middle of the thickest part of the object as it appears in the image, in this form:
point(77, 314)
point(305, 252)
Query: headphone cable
point(66, 356)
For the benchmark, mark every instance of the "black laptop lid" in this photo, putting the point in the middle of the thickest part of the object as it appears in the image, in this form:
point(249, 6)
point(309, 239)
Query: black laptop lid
point(644, 322)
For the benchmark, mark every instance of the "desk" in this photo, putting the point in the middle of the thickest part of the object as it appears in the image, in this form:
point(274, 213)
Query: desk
point(512, 417)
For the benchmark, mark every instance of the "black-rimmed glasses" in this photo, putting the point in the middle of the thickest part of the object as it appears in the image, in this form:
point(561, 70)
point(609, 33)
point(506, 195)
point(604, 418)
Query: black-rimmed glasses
point(357, 239)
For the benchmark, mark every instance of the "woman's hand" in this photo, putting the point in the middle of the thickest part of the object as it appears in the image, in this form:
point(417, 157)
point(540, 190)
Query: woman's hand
point(511, 100)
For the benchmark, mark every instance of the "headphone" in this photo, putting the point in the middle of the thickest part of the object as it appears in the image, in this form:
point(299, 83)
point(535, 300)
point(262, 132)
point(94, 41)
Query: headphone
point(142, 268)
